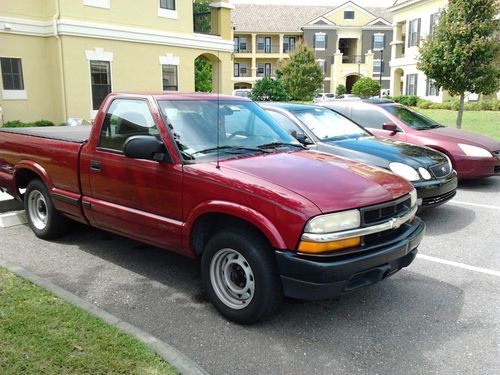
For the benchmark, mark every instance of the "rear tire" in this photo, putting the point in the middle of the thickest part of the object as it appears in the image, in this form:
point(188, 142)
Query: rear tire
point(43, 218)
point(240, 276)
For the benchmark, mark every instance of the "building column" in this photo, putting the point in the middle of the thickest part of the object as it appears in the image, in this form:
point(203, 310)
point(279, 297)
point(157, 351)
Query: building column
point(336, 72)
point(280, 46)
point(254, 60)
point(369, 57)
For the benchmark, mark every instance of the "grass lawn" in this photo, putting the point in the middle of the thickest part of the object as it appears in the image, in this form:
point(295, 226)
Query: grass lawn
point(484, 122)
point(42, 334)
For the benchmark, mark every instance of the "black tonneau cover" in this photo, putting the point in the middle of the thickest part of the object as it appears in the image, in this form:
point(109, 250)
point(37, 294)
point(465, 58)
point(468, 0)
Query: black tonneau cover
point(76, 134)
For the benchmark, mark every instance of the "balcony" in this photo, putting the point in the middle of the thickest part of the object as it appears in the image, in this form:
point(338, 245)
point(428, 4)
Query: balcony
point(353, 59)
point(242, 74)
point(239, 49)
point(202, 19)
point(273, 48)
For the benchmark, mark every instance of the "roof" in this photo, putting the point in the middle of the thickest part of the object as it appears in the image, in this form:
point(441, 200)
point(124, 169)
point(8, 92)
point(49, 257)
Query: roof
point(274, 18)
point(285, 18)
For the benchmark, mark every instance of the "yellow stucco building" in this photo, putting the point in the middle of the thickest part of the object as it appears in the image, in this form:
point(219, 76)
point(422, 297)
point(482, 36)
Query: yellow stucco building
point(59, 58)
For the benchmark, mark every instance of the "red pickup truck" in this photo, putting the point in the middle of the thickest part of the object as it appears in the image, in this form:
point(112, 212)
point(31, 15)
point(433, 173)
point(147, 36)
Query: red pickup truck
point(214, 177)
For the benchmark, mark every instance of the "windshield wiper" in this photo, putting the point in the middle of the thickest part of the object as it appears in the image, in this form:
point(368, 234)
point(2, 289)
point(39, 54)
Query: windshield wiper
point(279, 144)
point(227, 149)
point(433, 126)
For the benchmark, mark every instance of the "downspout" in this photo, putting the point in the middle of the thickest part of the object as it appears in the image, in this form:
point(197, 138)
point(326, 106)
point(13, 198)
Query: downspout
point(55, 20)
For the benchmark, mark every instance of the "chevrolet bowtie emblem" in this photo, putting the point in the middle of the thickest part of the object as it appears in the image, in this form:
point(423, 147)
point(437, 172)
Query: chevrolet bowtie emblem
point(396, 222)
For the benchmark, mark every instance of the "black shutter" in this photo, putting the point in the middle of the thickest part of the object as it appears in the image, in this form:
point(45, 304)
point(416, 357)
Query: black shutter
point(373, 42)
point(326, 41)
point(314, 41)
point(418, 33)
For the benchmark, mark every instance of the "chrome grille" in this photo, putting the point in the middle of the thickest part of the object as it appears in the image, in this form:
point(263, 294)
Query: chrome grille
point(441, 170)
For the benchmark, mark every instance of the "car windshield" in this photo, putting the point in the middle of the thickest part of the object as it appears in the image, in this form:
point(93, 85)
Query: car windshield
point(243, 127)
point(413, 119)
point(328, 125)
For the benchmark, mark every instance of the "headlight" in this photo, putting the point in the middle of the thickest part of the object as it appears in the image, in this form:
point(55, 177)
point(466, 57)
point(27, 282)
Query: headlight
point(470, 150)
point(404, 171)
point(424, 173)
point(413, 198)
point(334, 222)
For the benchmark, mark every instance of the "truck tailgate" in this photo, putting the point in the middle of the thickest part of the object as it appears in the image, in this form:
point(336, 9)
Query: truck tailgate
point(55, 161)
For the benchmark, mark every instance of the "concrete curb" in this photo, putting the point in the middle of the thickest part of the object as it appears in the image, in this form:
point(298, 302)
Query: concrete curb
point(180, 361)
point(10, 219)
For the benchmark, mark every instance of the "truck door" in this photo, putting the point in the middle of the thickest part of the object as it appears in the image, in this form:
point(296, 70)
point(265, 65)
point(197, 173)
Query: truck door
point(133, 197)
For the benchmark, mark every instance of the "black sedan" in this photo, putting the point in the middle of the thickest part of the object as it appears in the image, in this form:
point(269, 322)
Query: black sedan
point(325, 130)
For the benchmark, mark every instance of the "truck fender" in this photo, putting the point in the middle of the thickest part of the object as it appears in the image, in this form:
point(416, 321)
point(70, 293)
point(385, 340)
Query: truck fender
point(35, 168)
point(244, 213)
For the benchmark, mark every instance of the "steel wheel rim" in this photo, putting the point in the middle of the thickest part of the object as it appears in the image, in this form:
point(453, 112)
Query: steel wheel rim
point(232, 278)
point(37, 210)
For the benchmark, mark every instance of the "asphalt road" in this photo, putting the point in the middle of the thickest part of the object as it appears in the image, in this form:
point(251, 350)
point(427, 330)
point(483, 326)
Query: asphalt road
point(430, 318)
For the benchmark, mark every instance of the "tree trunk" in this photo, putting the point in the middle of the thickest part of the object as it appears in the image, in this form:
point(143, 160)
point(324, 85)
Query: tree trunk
point(460, 110)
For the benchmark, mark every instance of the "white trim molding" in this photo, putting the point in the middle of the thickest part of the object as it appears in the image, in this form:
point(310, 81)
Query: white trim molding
point(98, 3)
point(10, 25)
point(169, 59)
point(99, 54)
point(167, 13)
point(14, 94)
point(222, 4)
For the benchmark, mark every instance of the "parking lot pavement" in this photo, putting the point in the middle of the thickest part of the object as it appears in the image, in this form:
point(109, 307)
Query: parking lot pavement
point(429, 318)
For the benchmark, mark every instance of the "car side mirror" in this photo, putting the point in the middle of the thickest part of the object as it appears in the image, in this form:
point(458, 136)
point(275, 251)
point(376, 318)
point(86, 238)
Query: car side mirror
point(390, 126)
point(302, 138)
point(146, 147)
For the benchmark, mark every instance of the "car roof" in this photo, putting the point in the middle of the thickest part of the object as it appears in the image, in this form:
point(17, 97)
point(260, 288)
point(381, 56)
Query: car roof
point(288, 106)
point(181, 96)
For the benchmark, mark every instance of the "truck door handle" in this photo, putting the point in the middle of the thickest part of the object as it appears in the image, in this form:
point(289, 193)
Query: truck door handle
point(95, 165)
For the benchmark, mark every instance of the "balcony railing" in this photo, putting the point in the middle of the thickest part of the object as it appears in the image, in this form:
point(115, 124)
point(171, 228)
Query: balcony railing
point(274, 48)
point(202, 19)
point(353, 59)
point(241, 74)
point(242, 50)
point(268, 73)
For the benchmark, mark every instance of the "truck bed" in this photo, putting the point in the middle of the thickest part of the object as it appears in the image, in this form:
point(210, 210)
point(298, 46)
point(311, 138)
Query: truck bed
point(76, 134)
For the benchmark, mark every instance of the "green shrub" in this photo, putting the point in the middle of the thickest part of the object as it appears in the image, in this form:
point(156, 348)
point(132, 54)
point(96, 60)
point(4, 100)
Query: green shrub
point(366, 87)
point(20, 124)
point(483, 105)
point(341, 90)
point(424, 104)
point(269, 89)
point(409, 100)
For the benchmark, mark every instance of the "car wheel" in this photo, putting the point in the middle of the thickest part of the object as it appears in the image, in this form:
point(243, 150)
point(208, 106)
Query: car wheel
point(239, 274)
point(45, 221)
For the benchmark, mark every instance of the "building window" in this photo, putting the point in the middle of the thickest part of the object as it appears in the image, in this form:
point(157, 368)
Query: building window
point(322, 65)
point(236, 70)
point(169, 76)
point(433, 23)
point(260, 43)
point(378, 41)
point(100, 75)
point(167, 4)
point(411, 84)
point(243, 44)
point(12, 73)
point(288, 44)
point(431, 90)
point(348, 14)
point(319, 41)
point(236, 42)
point(268, 72)
point(414, 33)
point(378, 66)
point(243, 70)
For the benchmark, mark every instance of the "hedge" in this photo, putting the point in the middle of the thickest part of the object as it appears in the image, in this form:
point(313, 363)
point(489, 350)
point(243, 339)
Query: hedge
point(415, 101)
point(20, 124)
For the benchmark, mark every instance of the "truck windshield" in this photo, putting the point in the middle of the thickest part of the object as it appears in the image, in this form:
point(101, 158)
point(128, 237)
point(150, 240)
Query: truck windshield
point(241, 126)
point(413, 119)
point(328, 125)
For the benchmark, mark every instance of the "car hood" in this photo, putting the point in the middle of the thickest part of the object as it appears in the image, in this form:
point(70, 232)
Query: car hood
point(387, 150)
point(464, 136)
point(330, 182)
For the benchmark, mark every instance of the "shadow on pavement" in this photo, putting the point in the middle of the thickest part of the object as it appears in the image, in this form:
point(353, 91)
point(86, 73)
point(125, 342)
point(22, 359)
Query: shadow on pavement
point(395, 324)
point(446, 219)
point(10, 205)
point(487, 185)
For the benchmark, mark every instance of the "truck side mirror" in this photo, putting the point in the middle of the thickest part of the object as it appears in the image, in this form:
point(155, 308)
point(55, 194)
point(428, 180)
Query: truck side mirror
point(390, 126)
point(302, 138)
point(146, 147)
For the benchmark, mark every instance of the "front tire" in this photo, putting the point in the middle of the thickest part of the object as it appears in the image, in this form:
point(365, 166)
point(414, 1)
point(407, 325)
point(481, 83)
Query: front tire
point(240, 276)
point(43, 218)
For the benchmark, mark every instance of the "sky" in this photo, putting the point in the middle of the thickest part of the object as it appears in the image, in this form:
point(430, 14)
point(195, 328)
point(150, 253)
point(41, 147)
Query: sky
point(366, 3)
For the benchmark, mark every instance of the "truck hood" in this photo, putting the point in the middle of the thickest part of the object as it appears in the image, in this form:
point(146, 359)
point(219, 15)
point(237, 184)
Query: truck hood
point(384, 151)
point(464, 136)
point(332, 183)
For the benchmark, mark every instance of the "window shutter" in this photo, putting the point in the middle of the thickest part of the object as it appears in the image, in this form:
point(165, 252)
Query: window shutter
point(416, 75)
point(373, 42)
point(326, 41)
point(418, 32)
point(314, 40)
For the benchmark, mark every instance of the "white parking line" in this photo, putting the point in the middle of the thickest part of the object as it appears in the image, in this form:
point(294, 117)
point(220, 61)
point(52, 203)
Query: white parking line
point(459, 265)
point(475, 204)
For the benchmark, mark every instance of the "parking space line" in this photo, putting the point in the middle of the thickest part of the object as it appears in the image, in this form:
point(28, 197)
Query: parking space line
point(475, 204)
point(459, 265)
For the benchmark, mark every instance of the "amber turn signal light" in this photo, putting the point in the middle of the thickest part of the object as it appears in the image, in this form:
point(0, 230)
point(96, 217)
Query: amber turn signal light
point(320, 247)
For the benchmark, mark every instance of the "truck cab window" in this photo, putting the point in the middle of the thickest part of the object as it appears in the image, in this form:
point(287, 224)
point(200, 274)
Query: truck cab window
point(126, 118)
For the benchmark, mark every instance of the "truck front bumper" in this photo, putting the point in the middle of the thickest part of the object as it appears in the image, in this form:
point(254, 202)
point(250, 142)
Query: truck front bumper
point(315, 278)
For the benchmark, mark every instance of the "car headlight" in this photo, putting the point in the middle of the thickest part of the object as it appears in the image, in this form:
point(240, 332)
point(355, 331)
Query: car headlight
point(470, 150)
point(424, 173)
point(404, 171)
point(413, 198)
point(334, 222)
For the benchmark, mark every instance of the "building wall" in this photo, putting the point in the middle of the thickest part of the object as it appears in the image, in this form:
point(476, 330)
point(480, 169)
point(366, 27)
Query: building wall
point(331, 46)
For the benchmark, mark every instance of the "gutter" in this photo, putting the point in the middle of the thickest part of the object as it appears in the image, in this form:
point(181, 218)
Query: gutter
point(55, 20)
